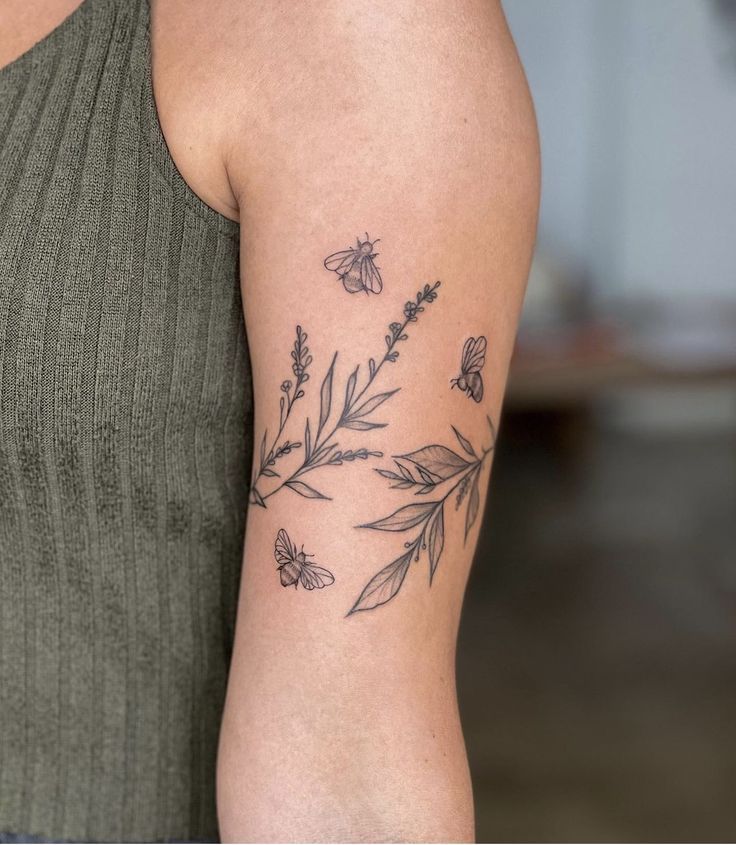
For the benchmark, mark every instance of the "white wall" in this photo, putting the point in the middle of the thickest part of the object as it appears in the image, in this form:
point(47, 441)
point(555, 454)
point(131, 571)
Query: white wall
point(637, 113)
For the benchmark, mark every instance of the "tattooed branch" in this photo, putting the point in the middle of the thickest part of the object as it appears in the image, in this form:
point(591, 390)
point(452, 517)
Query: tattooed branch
point(319, 446)
point(424, 471)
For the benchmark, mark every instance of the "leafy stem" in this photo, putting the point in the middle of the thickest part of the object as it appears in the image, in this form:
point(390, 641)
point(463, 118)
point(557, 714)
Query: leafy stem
point(426, 469)
point(320, 447)
point(268, 456)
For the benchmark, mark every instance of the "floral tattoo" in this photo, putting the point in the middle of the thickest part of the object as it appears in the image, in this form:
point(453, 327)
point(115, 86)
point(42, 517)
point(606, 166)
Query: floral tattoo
point(319, 446)
point(424, 471)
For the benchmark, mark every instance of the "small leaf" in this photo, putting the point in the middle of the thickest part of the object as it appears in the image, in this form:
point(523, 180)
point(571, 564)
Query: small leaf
point(350, 389)
point(263, 447)
point(371, 367)
point(362, 425)
point(405, 472)
point(307, 442)
point(465, 443)
point(386, 473)
point(427, 478)
point(404, 518)
point(256, 497)
point(438, 460)
point(283, 412)
point(436, 541)
point(305, 490)
point(493, 431)
point(384, 585)
point(270, 473)
point(371, 404)
point(325, 396)
point(473, 506)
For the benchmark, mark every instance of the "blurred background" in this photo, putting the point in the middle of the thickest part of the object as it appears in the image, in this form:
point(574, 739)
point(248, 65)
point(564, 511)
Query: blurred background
point(597, 661)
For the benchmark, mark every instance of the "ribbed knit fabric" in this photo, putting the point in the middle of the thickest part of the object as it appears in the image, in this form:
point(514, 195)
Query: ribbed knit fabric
point(125, 427)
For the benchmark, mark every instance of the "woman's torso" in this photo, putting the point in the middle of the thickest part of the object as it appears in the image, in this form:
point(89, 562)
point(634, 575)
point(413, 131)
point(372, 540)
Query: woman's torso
point(125, 419)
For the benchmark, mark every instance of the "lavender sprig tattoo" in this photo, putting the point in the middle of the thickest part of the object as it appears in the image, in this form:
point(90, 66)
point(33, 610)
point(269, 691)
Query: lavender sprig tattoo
point(320, 446)
point(424, 471)
point(291, 392)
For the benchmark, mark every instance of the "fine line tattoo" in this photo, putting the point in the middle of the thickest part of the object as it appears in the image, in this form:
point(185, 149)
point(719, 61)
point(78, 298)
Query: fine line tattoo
point(470, 380)
point(424, 471)
point(294, 568)
point(319, 444)
point(292, 391)
point(355, 267)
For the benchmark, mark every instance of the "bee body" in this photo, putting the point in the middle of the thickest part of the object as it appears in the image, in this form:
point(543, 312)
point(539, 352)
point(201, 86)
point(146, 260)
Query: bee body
point(470, 380)
point(355, 267)
point(289, 573)
point(294, 568)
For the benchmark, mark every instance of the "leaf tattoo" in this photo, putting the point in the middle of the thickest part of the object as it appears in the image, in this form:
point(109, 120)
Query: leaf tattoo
point(350, 409)
point(291, 392)
point(424, 470)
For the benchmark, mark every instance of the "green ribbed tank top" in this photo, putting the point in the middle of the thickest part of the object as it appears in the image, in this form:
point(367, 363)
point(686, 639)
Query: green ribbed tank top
point(125, 435)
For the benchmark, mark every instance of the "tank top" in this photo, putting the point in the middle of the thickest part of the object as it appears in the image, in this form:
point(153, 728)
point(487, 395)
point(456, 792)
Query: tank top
point(125, 435)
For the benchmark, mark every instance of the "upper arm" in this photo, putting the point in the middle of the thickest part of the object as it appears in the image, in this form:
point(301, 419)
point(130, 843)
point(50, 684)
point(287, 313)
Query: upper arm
point(366, 122)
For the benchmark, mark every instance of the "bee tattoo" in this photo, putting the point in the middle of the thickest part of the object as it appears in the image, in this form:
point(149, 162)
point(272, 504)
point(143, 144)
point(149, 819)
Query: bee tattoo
point(470, 380)
point(356, 268)
point(294, 567)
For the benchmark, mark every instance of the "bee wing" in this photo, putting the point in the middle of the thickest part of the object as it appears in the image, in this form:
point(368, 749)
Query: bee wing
point(474, 354)
point(315, 577)
point(341, 262)
point(284, 550)
point(370, 276)
point(475, 383)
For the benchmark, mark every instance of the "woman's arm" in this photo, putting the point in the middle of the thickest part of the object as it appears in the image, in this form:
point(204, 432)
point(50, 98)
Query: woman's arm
point(400, 130)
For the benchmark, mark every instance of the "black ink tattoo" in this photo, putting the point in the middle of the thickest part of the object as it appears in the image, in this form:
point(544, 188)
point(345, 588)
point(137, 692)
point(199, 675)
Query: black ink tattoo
point(294, 568)
point(355, 267)
point(301, 359)
point(424, 471)
point(474, 356)
point(320, 448)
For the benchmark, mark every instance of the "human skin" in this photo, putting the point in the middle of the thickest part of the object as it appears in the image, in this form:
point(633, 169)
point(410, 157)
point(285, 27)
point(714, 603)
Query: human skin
point(311, 124)
point(410, 121)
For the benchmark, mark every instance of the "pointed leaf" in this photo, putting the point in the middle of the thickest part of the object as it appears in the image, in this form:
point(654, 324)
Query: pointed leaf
point(371, 367)
point(325, 396)
point(493, 431)
point(256, 497)
point(473, 506)
point(465, 443)
point(307, 442)
point(371, 404)
point(438, 460)
point(436, 541)
point(350, 389)
point(427, 478)
point(263, 447)
point(405, 472)
point(386, 473)
point(384, 585)
point(362, 425)
point(404, 518)
point(270, 473)
point(305, 490)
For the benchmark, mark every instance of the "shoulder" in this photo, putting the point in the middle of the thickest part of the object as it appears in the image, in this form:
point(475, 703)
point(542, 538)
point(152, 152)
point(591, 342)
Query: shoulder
point(240, 86)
